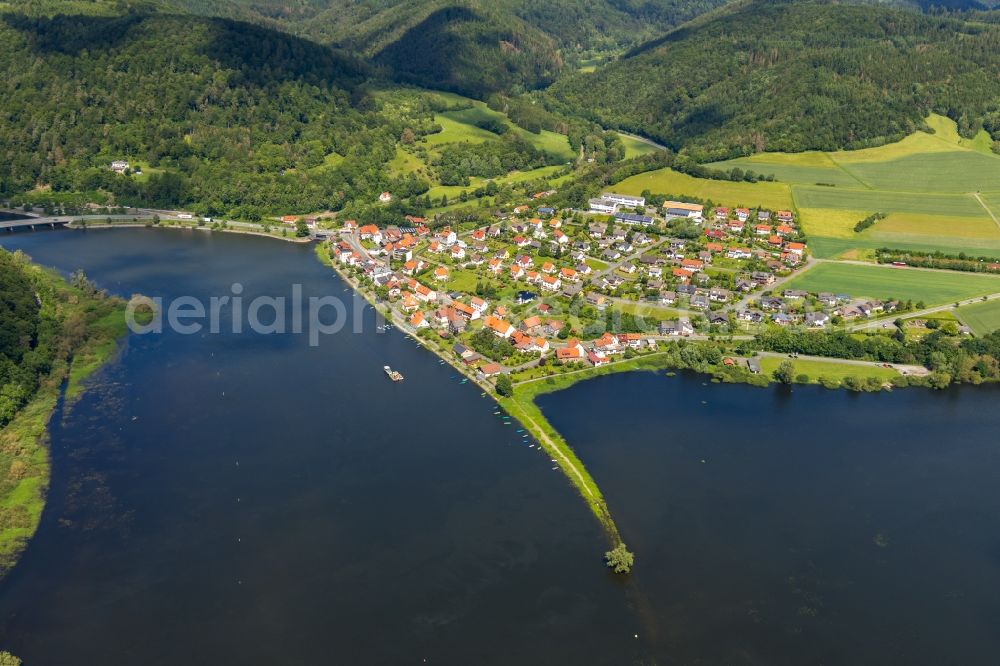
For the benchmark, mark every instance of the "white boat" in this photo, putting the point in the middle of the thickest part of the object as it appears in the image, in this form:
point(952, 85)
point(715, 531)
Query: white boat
point(392, 374)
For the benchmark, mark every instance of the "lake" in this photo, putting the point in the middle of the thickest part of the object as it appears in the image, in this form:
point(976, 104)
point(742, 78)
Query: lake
point(804, 526)
point(251, 499)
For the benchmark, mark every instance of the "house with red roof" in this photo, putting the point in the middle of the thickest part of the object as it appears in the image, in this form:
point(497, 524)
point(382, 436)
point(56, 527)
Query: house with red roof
point(500, 328)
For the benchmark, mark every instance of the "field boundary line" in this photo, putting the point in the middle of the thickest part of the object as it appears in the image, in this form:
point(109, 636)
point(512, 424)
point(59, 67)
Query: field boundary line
point(982, 203)
point(850, 174)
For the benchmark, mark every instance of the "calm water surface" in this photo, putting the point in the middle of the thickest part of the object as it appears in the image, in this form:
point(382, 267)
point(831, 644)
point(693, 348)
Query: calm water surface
point(805, 527)
point(251, 500)
point(221, 499)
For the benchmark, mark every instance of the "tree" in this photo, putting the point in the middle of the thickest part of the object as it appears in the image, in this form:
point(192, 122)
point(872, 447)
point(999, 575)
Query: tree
point(301, 229)
point(785, 372)
point(7, 659)
point(619, 559)
point(504, 386)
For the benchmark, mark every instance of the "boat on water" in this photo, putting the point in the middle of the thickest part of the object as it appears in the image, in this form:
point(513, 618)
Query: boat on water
point(392, 374)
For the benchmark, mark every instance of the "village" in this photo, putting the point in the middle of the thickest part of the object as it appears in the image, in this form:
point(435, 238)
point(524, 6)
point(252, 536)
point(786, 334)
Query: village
point(540, 289)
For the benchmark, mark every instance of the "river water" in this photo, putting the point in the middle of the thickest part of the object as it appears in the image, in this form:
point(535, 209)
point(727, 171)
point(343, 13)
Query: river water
point(250, 499)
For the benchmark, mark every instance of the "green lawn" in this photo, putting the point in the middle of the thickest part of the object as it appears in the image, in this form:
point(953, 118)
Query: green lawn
point(982, 318)
point(461, 280)
point(635, 147)
point(931, 287)
point(596, 264)
point(828, 369)
point(668, 181)
point(454, 131)
point(648, 311)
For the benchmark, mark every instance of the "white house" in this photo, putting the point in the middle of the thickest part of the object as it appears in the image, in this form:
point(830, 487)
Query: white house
point(624, 199)
point(602, 206)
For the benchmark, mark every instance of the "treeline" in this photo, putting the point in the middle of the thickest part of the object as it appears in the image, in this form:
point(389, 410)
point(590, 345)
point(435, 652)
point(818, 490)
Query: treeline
point(868, 222)
point(457, 162)
point(761, 76)
point(26, 349)
point(954, 262)
point(42, 326)
point(591, 181)
point(969, 360)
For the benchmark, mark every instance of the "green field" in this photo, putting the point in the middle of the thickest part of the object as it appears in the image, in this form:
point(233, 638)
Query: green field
point(982, 318)
point(452, 191)
point(635, 147)
point(668, 181)
point(931, 287)
point(794, 168)
point(926, 183)
point(827, 369)
point(962, 205)
point(462, 126)
point(454, 130)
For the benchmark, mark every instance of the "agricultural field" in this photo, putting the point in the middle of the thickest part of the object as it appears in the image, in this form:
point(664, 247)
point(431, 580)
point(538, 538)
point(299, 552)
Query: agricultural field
point(931, 287)
point(668, 181)
point(794, 168)
point(982, 318)
point(940, 191)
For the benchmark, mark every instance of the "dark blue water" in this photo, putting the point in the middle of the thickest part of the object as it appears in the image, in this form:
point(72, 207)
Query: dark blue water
point(223, 499)
point(813, 527)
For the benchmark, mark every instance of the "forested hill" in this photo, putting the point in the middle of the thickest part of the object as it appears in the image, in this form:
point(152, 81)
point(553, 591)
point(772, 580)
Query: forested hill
point(474, 47)
point(791, 76)
point(232, 114)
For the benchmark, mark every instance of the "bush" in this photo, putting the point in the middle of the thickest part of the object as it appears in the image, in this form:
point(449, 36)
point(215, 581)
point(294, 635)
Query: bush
point(619, 559)
point(504, 386)
point(829, 382)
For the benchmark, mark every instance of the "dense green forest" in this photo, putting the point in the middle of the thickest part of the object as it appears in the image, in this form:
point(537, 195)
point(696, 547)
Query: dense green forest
point(469, 46)
point(490, 159)
point(25, 339)
point(42, 327)
point(237, 118)
point(791, 76)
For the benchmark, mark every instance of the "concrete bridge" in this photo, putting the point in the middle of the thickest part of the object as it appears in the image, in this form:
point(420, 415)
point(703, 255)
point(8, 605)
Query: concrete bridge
point(33, 223)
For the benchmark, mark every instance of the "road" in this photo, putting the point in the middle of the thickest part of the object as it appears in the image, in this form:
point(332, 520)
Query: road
point(887, 322)
point(745, 301)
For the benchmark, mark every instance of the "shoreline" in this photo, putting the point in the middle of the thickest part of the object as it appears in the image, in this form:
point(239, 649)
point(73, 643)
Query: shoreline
point(28, 431)
point(182, 227)
point(536, 424)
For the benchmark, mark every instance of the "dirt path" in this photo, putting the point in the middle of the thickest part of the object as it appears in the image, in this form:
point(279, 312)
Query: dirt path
point(986, 208)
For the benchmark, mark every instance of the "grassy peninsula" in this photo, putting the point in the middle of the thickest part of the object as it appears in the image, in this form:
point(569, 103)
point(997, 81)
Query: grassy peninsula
point(56, 334)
